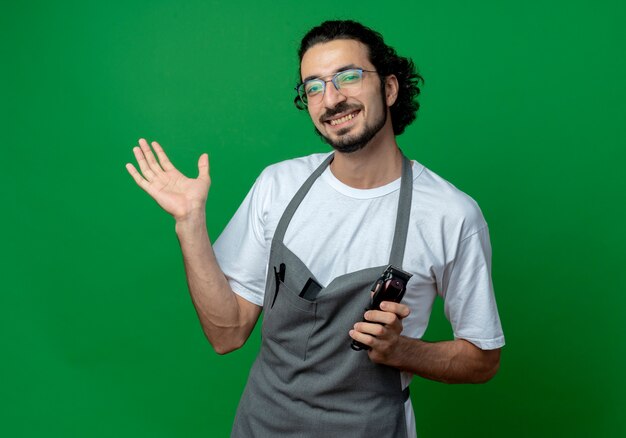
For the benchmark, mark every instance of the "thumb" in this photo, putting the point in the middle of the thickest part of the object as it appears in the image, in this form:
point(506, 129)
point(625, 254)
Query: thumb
point(203, 166)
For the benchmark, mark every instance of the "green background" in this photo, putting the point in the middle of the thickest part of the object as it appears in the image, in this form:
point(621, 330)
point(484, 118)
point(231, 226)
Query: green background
point(523, 108)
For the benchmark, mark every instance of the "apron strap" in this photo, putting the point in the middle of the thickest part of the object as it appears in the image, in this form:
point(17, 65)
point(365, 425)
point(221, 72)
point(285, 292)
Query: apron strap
point(402, 215)
point(293, 205)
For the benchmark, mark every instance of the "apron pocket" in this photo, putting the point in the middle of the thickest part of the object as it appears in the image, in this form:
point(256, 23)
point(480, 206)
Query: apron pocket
point(290, 321)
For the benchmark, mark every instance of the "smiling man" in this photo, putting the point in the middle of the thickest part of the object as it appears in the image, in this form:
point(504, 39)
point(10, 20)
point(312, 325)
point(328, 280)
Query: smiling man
point(313, 236)
point(346, 126)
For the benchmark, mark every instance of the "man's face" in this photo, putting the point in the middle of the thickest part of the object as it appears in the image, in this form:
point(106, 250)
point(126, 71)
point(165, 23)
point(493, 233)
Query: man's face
point(346, 123)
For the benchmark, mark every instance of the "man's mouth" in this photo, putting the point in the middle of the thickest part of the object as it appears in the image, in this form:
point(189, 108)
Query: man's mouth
point(342, 119)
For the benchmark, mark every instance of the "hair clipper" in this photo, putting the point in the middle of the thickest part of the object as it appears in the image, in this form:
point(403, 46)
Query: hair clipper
point(390, 286)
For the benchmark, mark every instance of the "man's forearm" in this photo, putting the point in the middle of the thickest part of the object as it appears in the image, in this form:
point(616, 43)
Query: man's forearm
point(456, 361)
point(225, 320)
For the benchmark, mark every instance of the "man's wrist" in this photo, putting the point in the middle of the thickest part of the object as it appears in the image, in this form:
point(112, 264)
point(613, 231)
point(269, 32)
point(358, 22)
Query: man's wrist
point(194, 218)
point(404, 356)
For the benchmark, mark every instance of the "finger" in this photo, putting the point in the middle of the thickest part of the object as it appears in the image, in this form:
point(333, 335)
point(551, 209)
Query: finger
point(147, 173)
point(402, 310)
point(381, 317)
point(150, 159)
point(362, 337)
point(165, 162)
point(370, 328)
point(141, 182)
point(203, 166)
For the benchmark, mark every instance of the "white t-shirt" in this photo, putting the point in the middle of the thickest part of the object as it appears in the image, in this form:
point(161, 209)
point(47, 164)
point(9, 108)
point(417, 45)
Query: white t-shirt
point(339, 229)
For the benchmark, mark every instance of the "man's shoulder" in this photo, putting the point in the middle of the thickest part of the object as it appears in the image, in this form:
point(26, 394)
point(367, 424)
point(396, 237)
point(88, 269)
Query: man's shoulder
point(445, 203)
point(293, 170)
point(278, 182)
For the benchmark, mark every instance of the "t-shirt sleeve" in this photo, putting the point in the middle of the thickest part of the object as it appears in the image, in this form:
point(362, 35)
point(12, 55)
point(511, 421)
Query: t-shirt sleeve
point(469, 300)
point(241, 250)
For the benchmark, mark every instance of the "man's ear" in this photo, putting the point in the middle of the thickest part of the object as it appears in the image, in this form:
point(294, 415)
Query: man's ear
point(391, 89)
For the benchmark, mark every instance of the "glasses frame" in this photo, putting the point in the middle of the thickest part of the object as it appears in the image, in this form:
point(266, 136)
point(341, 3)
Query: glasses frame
point(301, 101)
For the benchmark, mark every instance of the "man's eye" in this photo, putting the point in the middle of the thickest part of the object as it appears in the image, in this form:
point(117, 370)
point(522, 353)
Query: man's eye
point(313, 89)
point(349, 77)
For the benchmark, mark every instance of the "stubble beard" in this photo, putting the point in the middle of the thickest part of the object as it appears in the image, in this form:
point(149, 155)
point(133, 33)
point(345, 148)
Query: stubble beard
point(346, 143)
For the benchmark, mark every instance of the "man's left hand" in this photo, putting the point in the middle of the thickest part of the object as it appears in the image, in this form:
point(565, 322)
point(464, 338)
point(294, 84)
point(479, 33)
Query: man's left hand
point(381, 331)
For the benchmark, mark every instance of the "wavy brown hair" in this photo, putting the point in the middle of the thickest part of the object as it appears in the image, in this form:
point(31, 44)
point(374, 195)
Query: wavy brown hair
point(385, 60)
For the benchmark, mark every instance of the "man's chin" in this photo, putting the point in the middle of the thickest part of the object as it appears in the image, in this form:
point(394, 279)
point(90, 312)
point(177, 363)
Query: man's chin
point(342, 142)
point(347, 145)
point(343, 131)
point(346, 140)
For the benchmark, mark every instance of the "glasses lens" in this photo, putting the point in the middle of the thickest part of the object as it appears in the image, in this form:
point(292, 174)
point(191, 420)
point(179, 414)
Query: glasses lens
point(349, 80)
point(302, 94)
point(314, 90)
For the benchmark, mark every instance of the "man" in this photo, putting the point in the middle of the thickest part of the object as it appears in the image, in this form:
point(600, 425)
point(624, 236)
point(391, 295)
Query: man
point(331, 224)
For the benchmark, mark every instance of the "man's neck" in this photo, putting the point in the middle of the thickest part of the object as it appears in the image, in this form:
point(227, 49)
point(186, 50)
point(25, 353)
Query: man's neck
point(377, 164)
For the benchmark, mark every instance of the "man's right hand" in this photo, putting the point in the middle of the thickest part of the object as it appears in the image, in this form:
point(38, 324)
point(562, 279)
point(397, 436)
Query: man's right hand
point(174, 192)
point(227, 319)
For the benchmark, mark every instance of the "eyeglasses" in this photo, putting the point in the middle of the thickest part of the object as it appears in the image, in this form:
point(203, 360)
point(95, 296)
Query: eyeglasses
point(347, 82)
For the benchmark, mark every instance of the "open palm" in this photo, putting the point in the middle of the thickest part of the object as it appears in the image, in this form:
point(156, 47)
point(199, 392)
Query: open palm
point(173, 191)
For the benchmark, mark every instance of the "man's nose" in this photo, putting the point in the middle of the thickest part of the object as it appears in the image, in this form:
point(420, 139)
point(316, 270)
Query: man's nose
point(332, 96)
